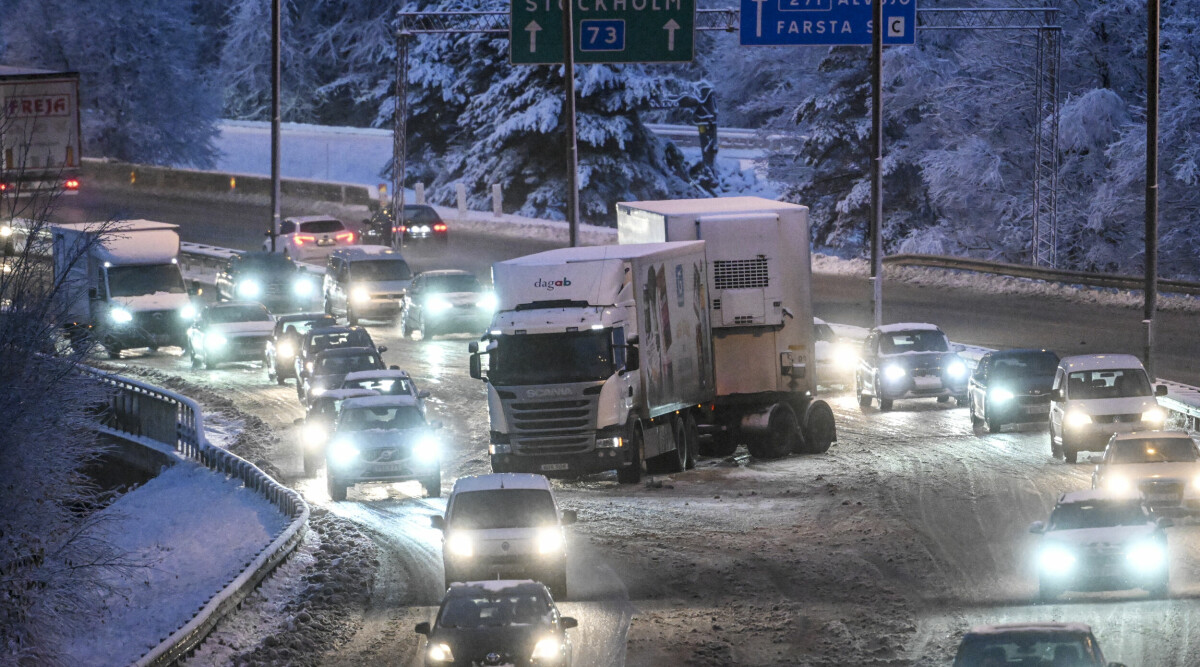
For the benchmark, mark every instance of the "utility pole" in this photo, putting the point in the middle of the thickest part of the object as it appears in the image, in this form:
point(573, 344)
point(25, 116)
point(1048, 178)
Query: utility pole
point(572, 138)
point(399, 137)
point(877, 162)
point(276, 74)
point(1151, 289)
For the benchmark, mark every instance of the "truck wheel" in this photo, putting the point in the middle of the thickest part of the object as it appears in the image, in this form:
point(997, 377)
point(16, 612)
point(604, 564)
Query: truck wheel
point(433, 485)
point(820, 430)
point(691, 440)
point(677, 459)
point(337, 490)
point(782, 438)
point(632, 474)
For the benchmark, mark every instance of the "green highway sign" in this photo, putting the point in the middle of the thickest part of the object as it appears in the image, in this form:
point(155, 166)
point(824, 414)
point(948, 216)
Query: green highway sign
point(606, 31)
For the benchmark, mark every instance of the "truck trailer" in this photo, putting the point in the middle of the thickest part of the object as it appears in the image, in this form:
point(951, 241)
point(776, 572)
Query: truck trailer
point(39, 132)
point(121, 283)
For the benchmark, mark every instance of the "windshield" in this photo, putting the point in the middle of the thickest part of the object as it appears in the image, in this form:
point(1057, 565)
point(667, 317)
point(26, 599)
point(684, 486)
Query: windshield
point(1097, 515)
point(913, 341)
point(333, 340)
point(420, 215)
point(141, 280)
point(1025, 365)
point(1154, 450)
point(265, 262)
point(503, 508)
point(391, 418)
point(385, 386)
point(454, 282)
point(1108, 384)
point(247, 313)
point(1024, 648)
point(346, 363)
point(322, 226)
point(585, 356)
point(495, 610)
point(379, 270)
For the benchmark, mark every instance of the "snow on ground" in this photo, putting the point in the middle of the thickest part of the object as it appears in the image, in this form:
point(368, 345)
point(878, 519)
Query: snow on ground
point(195, 530)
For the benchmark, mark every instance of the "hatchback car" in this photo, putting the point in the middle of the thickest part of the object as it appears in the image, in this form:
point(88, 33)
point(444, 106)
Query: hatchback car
point(268, 278)
point(231, 331)
point(909, 361)
point(383, 439)
point(1011, 387)
point(419, 223)
point(1047, 643)
point(285, 341)
point(1161, 467)
point(1095, 540)
point(1097, 395)
point(449, 301)
point(500, 622)
point(310, 237)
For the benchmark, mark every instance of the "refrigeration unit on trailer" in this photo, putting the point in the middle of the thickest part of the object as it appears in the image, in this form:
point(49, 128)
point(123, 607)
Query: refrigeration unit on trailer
point(759, 277)
point(598, 359)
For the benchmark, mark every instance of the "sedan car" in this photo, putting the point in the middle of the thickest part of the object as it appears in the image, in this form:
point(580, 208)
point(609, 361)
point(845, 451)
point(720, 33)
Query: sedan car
point(382, 439)
point(909, 361)
point(268, 278)
point(331, 367)
point(1011, 387)
point(419, 223)
point(1095, 540)
point(440, 302)
point(318, 422)
point(310, 237)
point(501, 622)
point(1046, 643)
point(230, 331)
point(285, 341)
point(319, 339)
point(1160, 467)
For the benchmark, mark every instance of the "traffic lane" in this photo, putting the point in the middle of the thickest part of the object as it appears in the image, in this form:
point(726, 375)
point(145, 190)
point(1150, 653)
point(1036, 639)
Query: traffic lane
point(1009, 321)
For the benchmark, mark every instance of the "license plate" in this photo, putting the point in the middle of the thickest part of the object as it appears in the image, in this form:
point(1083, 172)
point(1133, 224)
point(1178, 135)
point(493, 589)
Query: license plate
point(388, 467)
point(555, 466)
point(1036, 409)
point(1162, 498)
point(326, 242)
point(927, 382)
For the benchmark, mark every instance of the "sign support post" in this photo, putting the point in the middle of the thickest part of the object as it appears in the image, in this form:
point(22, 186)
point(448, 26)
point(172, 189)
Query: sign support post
point(569, 109)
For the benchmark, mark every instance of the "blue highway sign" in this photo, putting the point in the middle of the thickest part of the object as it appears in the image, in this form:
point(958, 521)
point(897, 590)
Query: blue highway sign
point(824, 22)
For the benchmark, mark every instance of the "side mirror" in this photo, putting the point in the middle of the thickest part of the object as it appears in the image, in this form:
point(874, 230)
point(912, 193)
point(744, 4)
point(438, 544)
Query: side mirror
point(1037, 527)
point(1165, 522)
point(92, 294)
point(422, 628)
point(381, 349)
point(1160, 390)
point(298, 421)
point(473, 347)
point(568, 622)
point(437, 522)
point(476, 367)
point(632, 359)
point(569, 517)
point(1057, 395)
point(424, 393)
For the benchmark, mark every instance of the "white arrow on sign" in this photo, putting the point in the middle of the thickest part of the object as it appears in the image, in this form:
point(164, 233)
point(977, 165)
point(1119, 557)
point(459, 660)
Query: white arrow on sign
point(533, 29)
point(758, 25)
point(671, 27)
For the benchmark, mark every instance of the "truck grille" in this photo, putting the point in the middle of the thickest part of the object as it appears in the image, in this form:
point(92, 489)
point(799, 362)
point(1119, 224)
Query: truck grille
point(157, 321)
point(1117, 419)
point(740, 273)
point(552, 427)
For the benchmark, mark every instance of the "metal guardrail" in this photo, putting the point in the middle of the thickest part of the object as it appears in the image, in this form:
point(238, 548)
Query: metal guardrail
point(140, 412)
point(1039, 273)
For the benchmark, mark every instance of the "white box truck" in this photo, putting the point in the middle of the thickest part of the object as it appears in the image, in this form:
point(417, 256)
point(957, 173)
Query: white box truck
point(598, 359)
point(39, 131)
point(121, 283)
point(759, 277)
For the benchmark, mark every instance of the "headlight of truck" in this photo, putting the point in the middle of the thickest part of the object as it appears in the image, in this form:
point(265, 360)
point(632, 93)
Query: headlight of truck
point(214, 341)
point(188, 312)
point(1146, 556)
point(956, 370)
point(314, 435)
point(437, 304)
point(460, 545)
point(1154, 416)
point(1055, 559)
point(1077, 419)
point(487, 302)
point(302, 287)
point(249, 289)
point(1000, 395)
point(426, 450)
point(549, 540)
point(120, 315)
point(342, 452)
point(547, 648)
point(439, 652)
point(894, 372)
point(360, 294)
point(607, 443)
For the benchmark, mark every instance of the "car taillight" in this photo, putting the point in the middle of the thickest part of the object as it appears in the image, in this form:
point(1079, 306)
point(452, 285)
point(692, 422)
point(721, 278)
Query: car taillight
point(348, 237)
point(301, 239)
point(71, 184)
point(439, 227)
point(399, 230)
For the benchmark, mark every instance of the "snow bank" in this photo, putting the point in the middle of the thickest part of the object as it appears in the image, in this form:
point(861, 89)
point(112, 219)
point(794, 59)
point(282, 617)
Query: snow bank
point(195, 530)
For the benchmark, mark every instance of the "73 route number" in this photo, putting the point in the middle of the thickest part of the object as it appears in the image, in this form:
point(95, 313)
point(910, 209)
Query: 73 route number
point(602, 35)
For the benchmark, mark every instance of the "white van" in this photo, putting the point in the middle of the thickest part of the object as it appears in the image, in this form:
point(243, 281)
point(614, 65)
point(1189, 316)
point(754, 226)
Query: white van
point(1097, 395)
point(507, 526)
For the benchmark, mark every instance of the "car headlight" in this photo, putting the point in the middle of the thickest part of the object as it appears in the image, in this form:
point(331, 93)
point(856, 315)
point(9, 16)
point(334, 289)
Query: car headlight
point(1118, 484)
point(5, 231)
point(342, 452)
point(1055, 559)
point(607, 443)
point(460, 545)
point(317, 391)
point(1196, 482)
point(214, 341)
point(1077, 419)
point(1146, 556)
point(956, 370)
point(1154, 416)
point(549, 540)
point(188, 312)
point(285, 349)
point(487, 302)
point(1000, 395)
point(360, 295)
point(547, 648)
point(845, 356)
point(426, 450)
point(302, 287)
point(439, 652)
point(249, 289)
point(120, 315)
point(894, 372)
point(314, 435)
point(437, 304)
